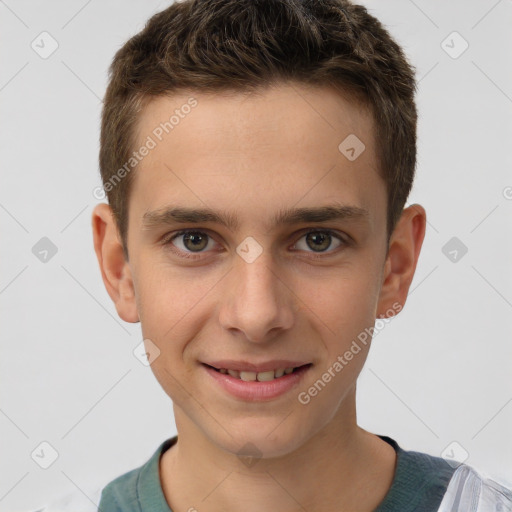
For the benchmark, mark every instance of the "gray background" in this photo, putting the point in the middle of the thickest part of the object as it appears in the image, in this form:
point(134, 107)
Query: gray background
point(439, 373)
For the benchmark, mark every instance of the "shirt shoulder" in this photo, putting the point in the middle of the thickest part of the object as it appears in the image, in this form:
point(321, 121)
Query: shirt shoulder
point(425, 483)
point(121, 494)
point(470, 491)
point(139, 489)
point(419, 484)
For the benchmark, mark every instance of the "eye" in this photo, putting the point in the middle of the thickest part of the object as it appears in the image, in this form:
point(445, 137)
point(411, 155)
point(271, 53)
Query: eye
point(192, 243)
point(189, 242)
point(319, 241)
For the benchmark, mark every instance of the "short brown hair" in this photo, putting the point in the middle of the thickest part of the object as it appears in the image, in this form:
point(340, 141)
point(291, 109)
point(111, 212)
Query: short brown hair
point(214, 45)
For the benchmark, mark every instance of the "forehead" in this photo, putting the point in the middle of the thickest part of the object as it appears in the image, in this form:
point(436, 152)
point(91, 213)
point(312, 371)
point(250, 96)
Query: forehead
point(284, 144)
point(299, 109)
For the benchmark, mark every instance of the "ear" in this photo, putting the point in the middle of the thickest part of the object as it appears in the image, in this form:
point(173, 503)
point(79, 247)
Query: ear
point(115, 269)
point(404, 249)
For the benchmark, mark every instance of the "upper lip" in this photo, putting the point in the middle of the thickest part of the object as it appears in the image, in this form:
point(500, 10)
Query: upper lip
point(246, 366)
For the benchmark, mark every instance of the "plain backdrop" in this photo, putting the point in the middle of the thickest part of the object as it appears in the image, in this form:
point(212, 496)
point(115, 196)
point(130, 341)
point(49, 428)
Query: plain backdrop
point(438, 378)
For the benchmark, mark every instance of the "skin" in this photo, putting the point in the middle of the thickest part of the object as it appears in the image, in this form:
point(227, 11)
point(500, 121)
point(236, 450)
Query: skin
point(253, 155)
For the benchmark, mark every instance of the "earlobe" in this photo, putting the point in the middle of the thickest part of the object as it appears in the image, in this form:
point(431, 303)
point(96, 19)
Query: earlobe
point(402, 258)
point(115, 270)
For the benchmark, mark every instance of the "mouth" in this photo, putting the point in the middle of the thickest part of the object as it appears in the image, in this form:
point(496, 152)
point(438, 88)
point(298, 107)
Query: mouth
point(262, 376)
point(257, 382)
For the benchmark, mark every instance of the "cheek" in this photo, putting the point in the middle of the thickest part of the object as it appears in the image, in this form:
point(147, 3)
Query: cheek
point(344, 314)
point(169, 296)
point(174, 306)
point(169, 304)
point(347, 302)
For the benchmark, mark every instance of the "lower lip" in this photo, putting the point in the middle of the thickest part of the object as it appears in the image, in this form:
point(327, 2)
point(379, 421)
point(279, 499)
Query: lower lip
point(255, 390)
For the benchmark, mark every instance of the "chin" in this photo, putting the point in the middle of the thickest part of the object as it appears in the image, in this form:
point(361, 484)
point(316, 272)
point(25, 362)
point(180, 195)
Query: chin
point(264, 438)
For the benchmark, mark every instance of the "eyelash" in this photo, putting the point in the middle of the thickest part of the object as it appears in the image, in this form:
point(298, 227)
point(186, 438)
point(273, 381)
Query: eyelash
point(167, 242)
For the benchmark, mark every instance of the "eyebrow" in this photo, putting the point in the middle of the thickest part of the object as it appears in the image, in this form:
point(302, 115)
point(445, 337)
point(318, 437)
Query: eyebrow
point(179, 214)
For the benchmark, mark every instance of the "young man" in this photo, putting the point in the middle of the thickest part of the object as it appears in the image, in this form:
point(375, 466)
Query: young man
point(257, 157)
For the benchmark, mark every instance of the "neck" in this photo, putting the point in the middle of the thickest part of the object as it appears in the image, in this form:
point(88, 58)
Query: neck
point(342, 467)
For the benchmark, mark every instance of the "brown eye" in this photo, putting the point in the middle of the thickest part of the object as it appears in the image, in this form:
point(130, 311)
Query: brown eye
point(195, 241)
point(319, 241)
point(187, 243)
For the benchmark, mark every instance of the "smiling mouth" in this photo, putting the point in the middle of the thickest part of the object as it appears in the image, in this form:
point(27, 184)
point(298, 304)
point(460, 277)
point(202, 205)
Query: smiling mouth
point(266, 376)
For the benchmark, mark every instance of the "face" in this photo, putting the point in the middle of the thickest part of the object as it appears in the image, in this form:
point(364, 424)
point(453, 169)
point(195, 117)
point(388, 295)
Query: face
point(282, 267)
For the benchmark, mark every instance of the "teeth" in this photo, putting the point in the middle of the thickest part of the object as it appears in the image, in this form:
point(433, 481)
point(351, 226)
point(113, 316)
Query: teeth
point(258, 376)
point(247, 376)
point(265, 376)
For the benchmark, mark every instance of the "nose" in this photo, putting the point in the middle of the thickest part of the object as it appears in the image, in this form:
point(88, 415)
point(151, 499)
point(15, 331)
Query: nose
point(257, 302)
